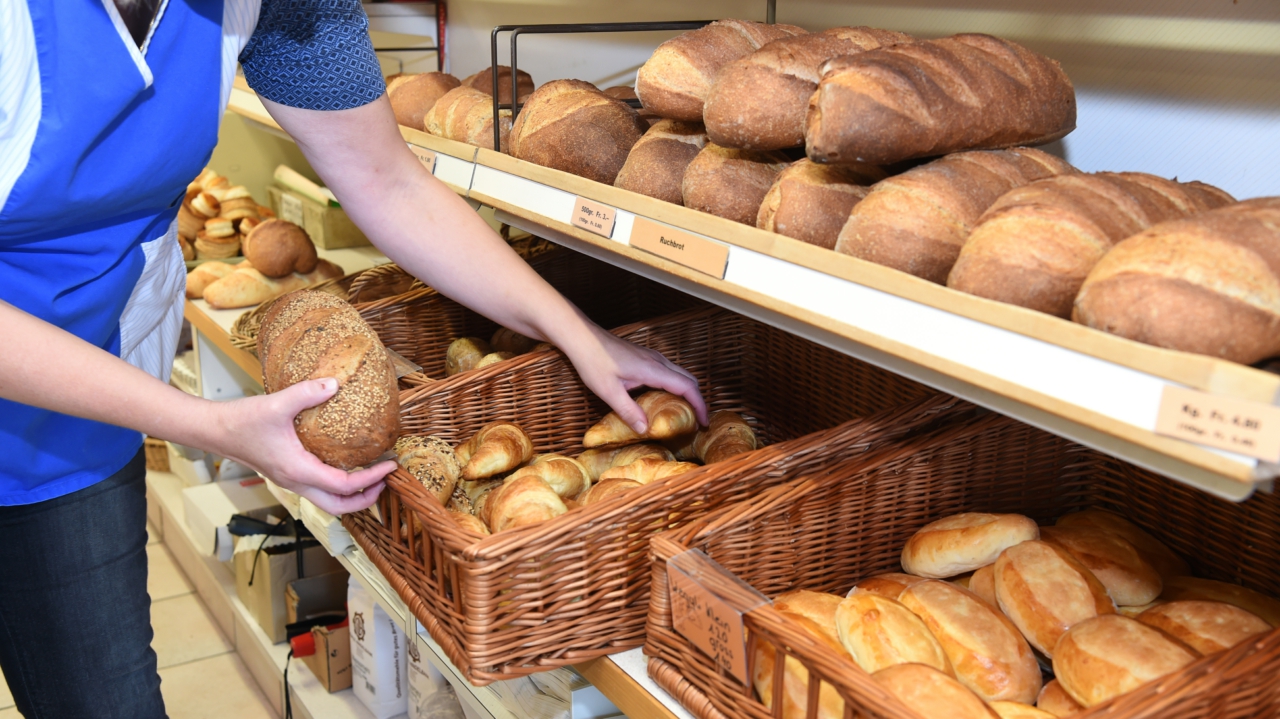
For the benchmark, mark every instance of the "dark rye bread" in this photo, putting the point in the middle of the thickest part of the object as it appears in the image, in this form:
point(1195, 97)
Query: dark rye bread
point(922, 99)
point(313, 335)
point(656, 164)
point(570, 125)
point(811, 202)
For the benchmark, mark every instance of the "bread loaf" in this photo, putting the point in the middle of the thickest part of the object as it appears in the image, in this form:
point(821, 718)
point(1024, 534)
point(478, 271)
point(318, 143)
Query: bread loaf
point(277, 248)
point(247, 286)
point(1104, 657)
point(1181, 588)
point(921, 99)
point(520, 502)
point(1206, 627)
point(811, 202)
point(656, 164)
point(669, 416)
point(413, 96)
point(570, 125)
point(1149, 548)
point(813, 612)
point(917, 221)
point(1036, 244)
point(465, 114)
point(1129, 579)
point(675, 81)
point(483, 81)
point(313, 335)
point(1208, 284)
point(889, 584)
point(879, 632)
point(964, 542)
point(730, 183)
point(1018, 710)
point(497, 448)
point(1045, 591)
point(930, 693)
point(786, 72)
point(432, 462)
point(986, 651)
point(564, 475)
point(205, 274)
point(1056, 701)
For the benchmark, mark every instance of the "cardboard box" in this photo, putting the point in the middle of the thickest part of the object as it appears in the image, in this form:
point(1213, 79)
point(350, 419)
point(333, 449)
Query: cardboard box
point(276, 567)
point(329, 227)
point(331, 662)
point(210, 506)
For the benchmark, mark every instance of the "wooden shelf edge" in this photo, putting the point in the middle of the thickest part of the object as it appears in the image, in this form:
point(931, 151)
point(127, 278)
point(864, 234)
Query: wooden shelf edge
point(625, 692)
point(209, 329)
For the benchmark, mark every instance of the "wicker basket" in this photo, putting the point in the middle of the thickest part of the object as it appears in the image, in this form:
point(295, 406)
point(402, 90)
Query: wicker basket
point(827, 531)
point(576, 587)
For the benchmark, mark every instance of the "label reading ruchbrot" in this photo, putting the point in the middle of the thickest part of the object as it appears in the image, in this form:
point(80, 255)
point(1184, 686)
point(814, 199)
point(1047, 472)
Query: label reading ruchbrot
point(690, 250)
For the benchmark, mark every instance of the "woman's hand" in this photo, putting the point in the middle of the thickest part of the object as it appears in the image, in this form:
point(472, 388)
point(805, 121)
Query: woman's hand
point(259, 433)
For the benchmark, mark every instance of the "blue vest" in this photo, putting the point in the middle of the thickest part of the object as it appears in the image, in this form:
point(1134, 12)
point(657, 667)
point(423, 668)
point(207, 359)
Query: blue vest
point(111, 160)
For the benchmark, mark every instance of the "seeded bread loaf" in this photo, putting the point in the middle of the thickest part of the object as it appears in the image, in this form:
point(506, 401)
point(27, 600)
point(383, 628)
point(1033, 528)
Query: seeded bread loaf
point(656, 164)
point(413, 96)
point(314, 335)
point(570, 125)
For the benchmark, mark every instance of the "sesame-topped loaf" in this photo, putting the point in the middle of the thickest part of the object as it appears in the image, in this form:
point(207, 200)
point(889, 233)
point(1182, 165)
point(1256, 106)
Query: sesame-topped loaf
point(312, 335)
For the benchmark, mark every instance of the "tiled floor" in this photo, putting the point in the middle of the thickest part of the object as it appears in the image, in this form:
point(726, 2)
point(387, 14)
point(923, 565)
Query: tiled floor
point(200, 674)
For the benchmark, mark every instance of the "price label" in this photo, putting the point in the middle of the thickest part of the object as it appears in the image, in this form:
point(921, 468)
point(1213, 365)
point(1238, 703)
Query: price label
point(290, 208)
point(711, 621)
point(593, 216)
point(1237, 425)
point(690, 250)
point(426, 157)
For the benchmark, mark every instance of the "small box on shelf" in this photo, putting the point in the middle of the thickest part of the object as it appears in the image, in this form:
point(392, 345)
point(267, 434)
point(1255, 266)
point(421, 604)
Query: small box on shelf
point(329, 227)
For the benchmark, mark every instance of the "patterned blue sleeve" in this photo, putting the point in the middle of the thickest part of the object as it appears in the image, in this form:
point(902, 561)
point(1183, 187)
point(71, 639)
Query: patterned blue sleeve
point(313, 54)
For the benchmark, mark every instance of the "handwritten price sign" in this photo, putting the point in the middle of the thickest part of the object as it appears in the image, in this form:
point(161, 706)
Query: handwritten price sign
point(594, 217)
point(712, 622)
point(1236, 425)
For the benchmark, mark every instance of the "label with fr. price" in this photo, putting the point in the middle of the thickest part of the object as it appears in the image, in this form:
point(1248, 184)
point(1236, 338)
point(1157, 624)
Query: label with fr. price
point(690, 250)
point(426, 157)
point(1236, 425)
point(594, 217)
point(711, 621)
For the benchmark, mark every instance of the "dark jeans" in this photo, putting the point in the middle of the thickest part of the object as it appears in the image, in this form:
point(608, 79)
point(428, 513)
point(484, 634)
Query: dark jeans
point(75, 618)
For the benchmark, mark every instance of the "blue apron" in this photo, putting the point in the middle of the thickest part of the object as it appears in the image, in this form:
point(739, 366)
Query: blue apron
point(111, 160)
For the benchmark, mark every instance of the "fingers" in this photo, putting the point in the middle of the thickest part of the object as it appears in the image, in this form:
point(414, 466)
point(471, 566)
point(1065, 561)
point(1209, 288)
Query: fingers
point(305, 395)
point(338, 504)
point(615, 395)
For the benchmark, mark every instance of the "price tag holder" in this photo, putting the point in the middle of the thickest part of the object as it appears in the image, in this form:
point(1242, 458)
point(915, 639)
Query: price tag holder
point(707, 604)
point(594, 217)
point(426, 157)
point(290, 208)
point(692, 251)
point(1236, 425)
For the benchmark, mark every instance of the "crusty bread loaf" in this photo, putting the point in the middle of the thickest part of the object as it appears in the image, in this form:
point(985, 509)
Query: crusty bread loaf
point(889, 584)
point(880, 632)
point(1206, 627)
point(464, 114)
point(313, 335)
point(731, 183)
point(811, 202)
point(786, 72)
point(675, 81)
point(1045, 591)
point(1151, 549)
point(1181, 588)
point(922, 99)
point(917, 221)
point(483, 81)
point(1037, 243)
point(656, 164)
point(930, 693)
point(1056, 701)
point(570, 125)
point(964, 542)
point(413, 96)
point(278, 248)
point(813, 612)
point(247, 286)
point(627, 92)
point(1208, 284)
point(988, 654)
point(1129, 579)
point(1104, 657)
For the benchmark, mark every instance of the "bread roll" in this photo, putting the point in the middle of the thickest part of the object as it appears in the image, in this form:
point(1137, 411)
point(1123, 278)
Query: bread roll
point(647, 470)
point(1180, 588)
point(811, 202)
point(464, 354)
point(238, 204)
point(916, 222)
point(520, 502)
point(205, 205)
point(278, 248)
point(813, 612)
point(1037, 243)
point(879, 632)
point(414, 96)
point(1045, 591)
point(964, 542)
point(1056, 701)
point(1151, 549)
point(497, 448)
point(727, 434)
point(930, 693)
point(494, 358)
point(677, 78)
point(1206, 627)
point(983, 584)
point(218, 227)
point(921, 99)
point(1208, 284)
point(188, 223)
point(470, 523)
point(483, 81)
point(570, 125)
point(205, 274)
point(360, 421)
point(565, 475)
point(986, 651)
point(669, 416)
point(1129, 579)
point(1104, 657)
point(505, 340)
point(247, 286)
point(1134, 611)
point(656, 164)
point(603, 490)
point(216, 248)
point(465, 114)
point(1018, 710)
point(730, 183)
point(889, 584)
point(432, 462)
point(786, 71)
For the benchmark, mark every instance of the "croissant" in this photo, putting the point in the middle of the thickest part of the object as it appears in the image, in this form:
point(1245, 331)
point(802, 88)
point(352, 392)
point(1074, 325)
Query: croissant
point(726, 434)
point(565, 475)
point(480, 494)
point(606, 489)
point(469, 523)
point(432, 462)
point(669, 417)
point(598, 460)
point(498, 447)
point(522, 501)
point(649, 469)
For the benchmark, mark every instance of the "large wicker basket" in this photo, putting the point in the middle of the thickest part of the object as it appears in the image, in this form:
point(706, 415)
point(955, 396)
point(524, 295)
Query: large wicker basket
point(827, 531)
point(576, 587)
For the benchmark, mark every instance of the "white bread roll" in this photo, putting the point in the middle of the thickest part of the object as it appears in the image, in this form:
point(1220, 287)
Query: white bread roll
point(930, 693)
point(1211, 590)
point(1104, 657)
point(815, 612)
point(1207, 627)
point(983, 584)
point(964, 542)
point(889, 584)
point(1018, 710)
point(1129, 579)
point(1045, 591)
point(1056, 701)
point(879, 632)
point(1153, 550)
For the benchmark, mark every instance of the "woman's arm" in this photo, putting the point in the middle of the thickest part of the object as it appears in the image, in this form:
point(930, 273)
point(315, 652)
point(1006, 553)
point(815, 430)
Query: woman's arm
point(433, 234)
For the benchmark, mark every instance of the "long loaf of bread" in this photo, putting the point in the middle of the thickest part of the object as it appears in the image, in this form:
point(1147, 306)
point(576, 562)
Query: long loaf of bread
point(656, 164)
point(570, 125)
point(922, 99)
point(731, 183)
point(247, 287)
point(811, 202)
